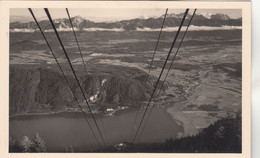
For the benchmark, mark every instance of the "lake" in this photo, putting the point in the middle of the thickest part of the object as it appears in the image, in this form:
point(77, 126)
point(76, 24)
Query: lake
point(64, 129)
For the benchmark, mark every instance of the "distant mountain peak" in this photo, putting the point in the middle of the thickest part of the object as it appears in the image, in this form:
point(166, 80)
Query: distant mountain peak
point(77, 20)
point(206, 15)
point(173, 15)
point(78, 17)
point(220, 16)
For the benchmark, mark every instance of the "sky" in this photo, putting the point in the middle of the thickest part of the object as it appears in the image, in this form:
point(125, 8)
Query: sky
point(116, 14)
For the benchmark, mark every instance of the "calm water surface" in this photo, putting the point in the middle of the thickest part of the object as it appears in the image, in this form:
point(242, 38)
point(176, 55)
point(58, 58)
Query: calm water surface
point(64, 129)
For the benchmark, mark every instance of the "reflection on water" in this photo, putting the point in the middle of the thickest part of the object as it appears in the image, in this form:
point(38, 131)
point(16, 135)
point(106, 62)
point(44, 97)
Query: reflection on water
point(60, 130)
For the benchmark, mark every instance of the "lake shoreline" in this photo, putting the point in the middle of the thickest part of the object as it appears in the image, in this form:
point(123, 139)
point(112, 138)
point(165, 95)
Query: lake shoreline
point(177, 115)
point(51, 113)
point(117, 126)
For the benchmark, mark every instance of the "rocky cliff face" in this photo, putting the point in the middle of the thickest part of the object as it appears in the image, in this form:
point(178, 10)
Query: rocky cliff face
point(45, 90)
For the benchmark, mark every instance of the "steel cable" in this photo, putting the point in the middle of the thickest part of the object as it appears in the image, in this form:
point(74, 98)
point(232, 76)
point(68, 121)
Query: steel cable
point(169, 70)
point(76, 40)
point(146, 81)
point(63, 74)
point(67, 57)
point(173, 43)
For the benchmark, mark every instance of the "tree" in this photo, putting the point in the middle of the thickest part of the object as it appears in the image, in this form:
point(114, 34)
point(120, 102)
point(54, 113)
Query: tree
point(69, 149)
point(39, 143)
point(27, 144)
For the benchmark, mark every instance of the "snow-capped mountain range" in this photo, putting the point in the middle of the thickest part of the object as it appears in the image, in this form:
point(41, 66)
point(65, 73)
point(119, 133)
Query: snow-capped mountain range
point(172, 20)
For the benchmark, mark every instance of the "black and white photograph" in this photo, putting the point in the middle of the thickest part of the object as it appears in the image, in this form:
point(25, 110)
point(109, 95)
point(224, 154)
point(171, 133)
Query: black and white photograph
point(125, 80)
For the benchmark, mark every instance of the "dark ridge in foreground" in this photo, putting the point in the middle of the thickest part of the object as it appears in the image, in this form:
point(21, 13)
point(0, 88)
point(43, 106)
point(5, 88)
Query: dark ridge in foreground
point(224, 136)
